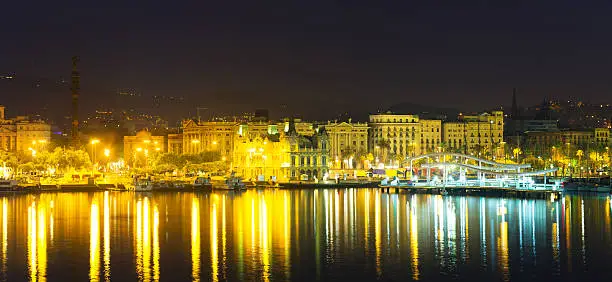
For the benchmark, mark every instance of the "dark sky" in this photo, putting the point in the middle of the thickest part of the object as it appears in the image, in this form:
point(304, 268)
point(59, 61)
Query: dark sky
point(319, 58)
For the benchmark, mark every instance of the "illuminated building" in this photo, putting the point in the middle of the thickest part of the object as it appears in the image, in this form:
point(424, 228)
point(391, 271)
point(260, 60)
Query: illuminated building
point(209, 136)
point(308, 155)
point(22, 134)
point(477, 134)
point(602, 137)
point(175, 143)
point(268, 154)
point(346, 140)
point(260, 157)
point(431, 135)
point(403, 135)
point(141, 145)
point(301, 127)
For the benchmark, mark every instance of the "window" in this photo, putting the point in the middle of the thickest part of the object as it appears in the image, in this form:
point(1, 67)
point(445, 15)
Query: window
point(292, 160)
point(323, 160)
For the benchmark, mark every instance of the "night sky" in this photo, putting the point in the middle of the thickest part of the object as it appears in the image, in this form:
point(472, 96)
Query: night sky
point(319, 58)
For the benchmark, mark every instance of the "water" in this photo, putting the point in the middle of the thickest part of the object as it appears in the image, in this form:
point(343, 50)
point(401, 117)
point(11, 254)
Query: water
point(306, 235)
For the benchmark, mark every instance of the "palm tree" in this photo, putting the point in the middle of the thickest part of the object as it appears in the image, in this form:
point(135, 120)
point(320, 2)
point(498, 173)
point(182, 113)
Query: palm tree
point(579, 154)
point(385, 146)
point(517, 152)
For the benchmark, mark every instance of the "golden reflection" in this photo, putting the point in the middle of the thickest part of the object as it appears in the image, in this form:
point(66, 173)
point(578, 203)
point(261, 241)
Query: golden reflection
point(32, 259)
point(555, 233)
point(502, 242)
point(567, 208)
point(264, 239)
point(414, 239)
point(106, 231)
point(214, 253)
point(287, 237)
point(155, 244)
point(94, 242)
point(147, 249)
point(4, 233)
point(223, 236)
point(366, 218)
point(483, 232)
point(195, 239)
point(377, 233)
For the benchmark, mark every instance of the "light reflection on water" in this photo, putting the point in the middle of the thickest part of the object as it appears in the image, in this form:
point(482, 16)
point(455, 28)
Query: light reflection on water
point(301, 235)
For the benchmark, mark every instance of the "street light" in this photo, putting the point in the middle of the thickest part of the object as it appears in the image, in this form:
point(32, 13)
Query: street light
point(107, 153)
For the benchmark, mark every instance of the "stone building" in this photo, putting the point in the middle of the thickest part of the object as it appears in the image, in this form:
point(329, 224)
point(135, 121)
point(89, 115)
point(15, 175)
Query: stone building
point(209, 136)
point(404, 135)
point(347, 141)
point(141, 145)
point(22, 134)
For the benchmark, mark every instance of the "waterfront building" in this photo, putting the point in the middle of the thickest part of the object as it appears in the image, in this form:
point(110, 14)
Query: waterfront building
point(209, 136)
point(141, 145)
point(22, 133)
point(540, 143)
point(308, 155)
point(480, 134)
point(431, 136)
point(347, 142)
point(302, 127)
point(602, 137)
point(260, 157)
point(280, 156)
point(403, 135)
point(175, 143)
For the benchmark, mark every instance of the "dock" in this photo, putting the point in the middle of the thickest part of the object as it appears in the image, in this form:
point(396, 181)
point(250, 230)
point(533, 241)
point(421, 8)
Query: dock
point(478, 191)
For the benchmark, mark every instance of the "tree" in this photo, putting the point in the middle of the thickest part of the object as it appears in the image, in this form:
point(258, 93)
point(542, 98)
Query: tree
point(579, 154)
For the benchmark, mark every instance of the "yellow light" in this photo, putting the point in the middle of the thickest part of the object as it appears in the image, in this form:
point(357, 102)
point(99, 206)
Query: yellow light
point(107, 152)
point(155, 142)
point(214, 142)
point(139, 149)
point(195, 141)
point(157, 149)
point(42, 141)
point(147, 141)
point(34, 142)
point(223, 158)
point(95, 141)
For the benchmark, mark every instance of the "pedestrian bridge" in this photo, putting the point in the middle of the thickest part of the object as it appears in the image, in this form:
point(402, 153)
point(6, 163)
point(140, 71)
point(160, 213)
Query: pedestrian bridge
point(460, 170)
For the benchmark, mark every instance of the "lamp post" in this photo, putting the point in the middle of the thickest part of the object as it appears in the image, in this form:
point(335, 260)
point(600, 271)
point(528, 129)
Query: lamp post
point(491, 136)
point(93, 153)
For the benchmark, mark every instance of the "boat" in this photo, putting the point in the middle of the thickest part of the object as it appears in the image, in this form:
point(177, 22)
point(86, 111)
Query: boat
point(8, 185)
point(572, 185)
point(232, 183)
point(395, 183)
point(202, 184)
point(143, 186)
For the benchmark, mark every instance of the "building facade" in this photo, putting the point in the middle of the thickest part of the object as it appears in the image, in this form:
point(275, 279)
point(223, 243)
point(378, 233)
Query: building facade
point(431, 136)
point(602, 137)
point(281, 156)
point(403, 135)
point(140, 146)
point(175, 143)
point(481, 134)
point(209, 136)
point(347, 141)
point(22, 134)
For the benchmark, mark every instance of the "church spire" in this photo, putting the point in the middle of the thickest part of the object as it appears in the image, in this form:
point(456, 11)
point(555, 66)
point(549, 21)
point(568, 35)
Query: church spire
point(515, 110)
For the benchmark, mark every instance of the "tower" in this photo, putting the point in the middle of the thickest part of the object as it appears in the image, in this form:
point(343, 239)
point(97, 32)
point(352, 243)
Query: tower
point(75, 102)
point(515, 109)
